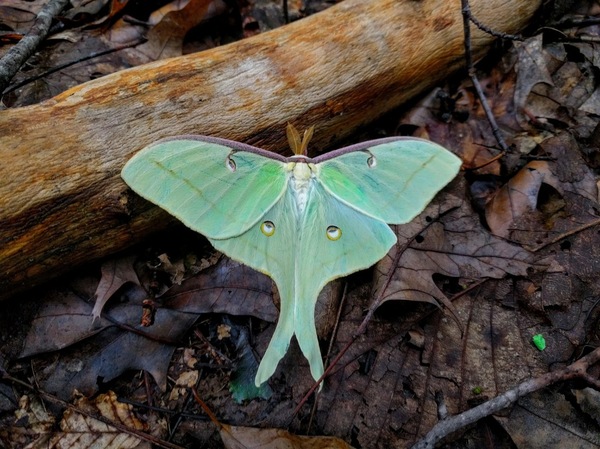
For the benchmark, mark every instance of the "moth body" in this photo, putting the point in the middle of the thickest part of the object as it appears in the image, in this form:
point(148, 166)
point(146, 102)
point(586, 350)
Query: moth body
point(300, 182)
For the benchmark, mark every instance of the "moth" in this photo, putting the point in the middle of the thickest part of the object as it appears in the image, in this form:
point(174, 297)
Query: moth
point(303, 221)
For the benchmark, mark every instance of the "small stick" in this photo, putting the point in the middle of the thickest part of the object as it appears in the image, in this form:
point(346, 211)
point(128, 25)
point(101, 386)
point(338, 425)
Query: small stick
point(487, 29)
point(120, 427)
point(18, 54)
point(577, 370)
point(467, 17)
point(286, 13)
point(70, 63)
point(569, 233)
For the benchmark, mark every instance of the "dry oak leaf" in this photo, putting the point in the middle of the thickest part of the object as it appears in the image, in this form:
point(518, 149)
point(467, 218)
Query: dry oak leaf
point(118, 342)
point(169, 26)
point(549, 419)
point(446, 239)
point(532, 70)
point(569, 176)
point(83, 432)
point(518, 196)
point(39, 425)
point(235, 437)
point(115, 274)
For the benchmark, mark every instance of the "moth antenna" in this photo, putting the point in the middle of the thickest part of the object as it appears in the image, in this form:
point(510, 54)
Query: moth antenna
point(308, 133)
point(293, 137)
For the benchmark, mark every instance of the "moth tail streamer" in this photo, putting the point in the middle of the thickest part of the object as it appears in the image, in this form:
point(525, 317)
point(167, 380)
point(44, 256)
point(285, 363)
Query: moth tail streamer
point(278, 346)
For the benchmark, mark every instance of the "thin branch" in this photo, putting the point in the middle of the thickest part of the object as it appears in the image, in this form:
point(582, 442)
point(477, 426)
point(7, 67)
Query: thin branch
point(19, 53)
point(445, 427)
point(577, 23)
point(467, 18)
point(332, 339)
point(567, 234)
point(70, 63)
point(286, 13)
point(487, 29)
point(486, 163)
point(120, 427)
point(362, 328)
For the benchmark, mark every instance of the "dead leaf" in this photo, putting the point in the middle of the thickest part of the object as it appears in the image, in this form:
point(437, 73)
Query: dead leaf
point(518, 197)
point(223, 331)
point(395, 391)
point(82, 432)
point(392, 403)
point(241, 384)
point(115, 274)
point(554, 87)
point(592, 104)
point(228, 287)
point(120, 342)
point(468, 139)
point(76, 430)
point(110, 353)
point(18, 16)
point(187, 380)
point(547, 419)
point(176, 270)
point(86, 11)
point(589, 401)
point(235, 437)
point(445, 239)
point(526, 210)
point(40, 423)
point(168, 27)
point(162, 37)
point(532, 70)
point(116, 6)
point(62, 311)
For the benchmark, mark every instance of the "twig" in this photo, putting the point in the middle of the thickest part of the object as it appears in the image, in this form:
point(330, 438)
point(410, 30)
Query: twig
point(362, 328)
point(445, 427)
point(467, 18)
point(122, 428)
point(329, 349)
point(569, 233)
point(338, 318)
point(286, 13)
point(206, 409)
point(486, 163)
point(18, 54)
point(577, 23)
point(70, 63)
point(487, 29)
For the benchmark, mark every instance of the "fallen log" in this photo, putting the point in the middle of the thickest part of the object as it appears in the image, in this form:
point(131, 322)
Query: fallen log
point(62, 201)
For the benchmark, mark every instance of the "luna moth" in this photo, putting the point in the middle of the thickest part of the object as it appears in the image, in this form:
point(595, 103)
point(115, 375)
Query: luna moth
point(303, 221)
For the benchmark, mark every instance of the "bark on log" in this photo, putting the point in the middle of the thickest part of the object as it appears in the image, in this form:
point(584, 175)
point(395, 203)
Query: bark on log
point(62, 201)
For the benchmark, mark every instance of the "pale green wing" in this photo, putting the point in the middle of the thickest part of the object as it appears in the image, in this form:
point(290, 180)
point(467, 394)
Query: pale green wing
point(391, 179)
point(239, 197)
point(362, 242)
point(301, 259)
point(217, 187)
point(274, 255)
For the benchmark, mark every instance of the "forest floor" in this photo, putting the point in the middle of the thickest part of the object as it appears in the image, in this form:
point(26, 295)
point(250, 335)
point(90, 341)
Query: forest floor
point(510, 250)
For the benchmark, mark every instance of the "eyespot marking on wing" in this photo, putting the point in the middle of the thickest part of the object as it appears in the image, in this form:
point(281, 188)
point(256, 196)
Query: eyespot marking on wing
point(267, 228)
point(333, 233)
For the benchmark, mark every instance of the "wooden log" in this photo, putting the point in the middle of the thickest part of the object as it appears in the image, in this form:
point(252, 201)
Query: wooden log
point(62, 201)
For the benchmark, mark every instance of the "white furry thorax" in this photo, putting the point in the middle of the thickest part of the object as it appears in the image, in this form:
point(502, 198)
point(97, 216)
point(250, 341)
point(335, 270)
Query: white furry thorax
point(300, 181)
